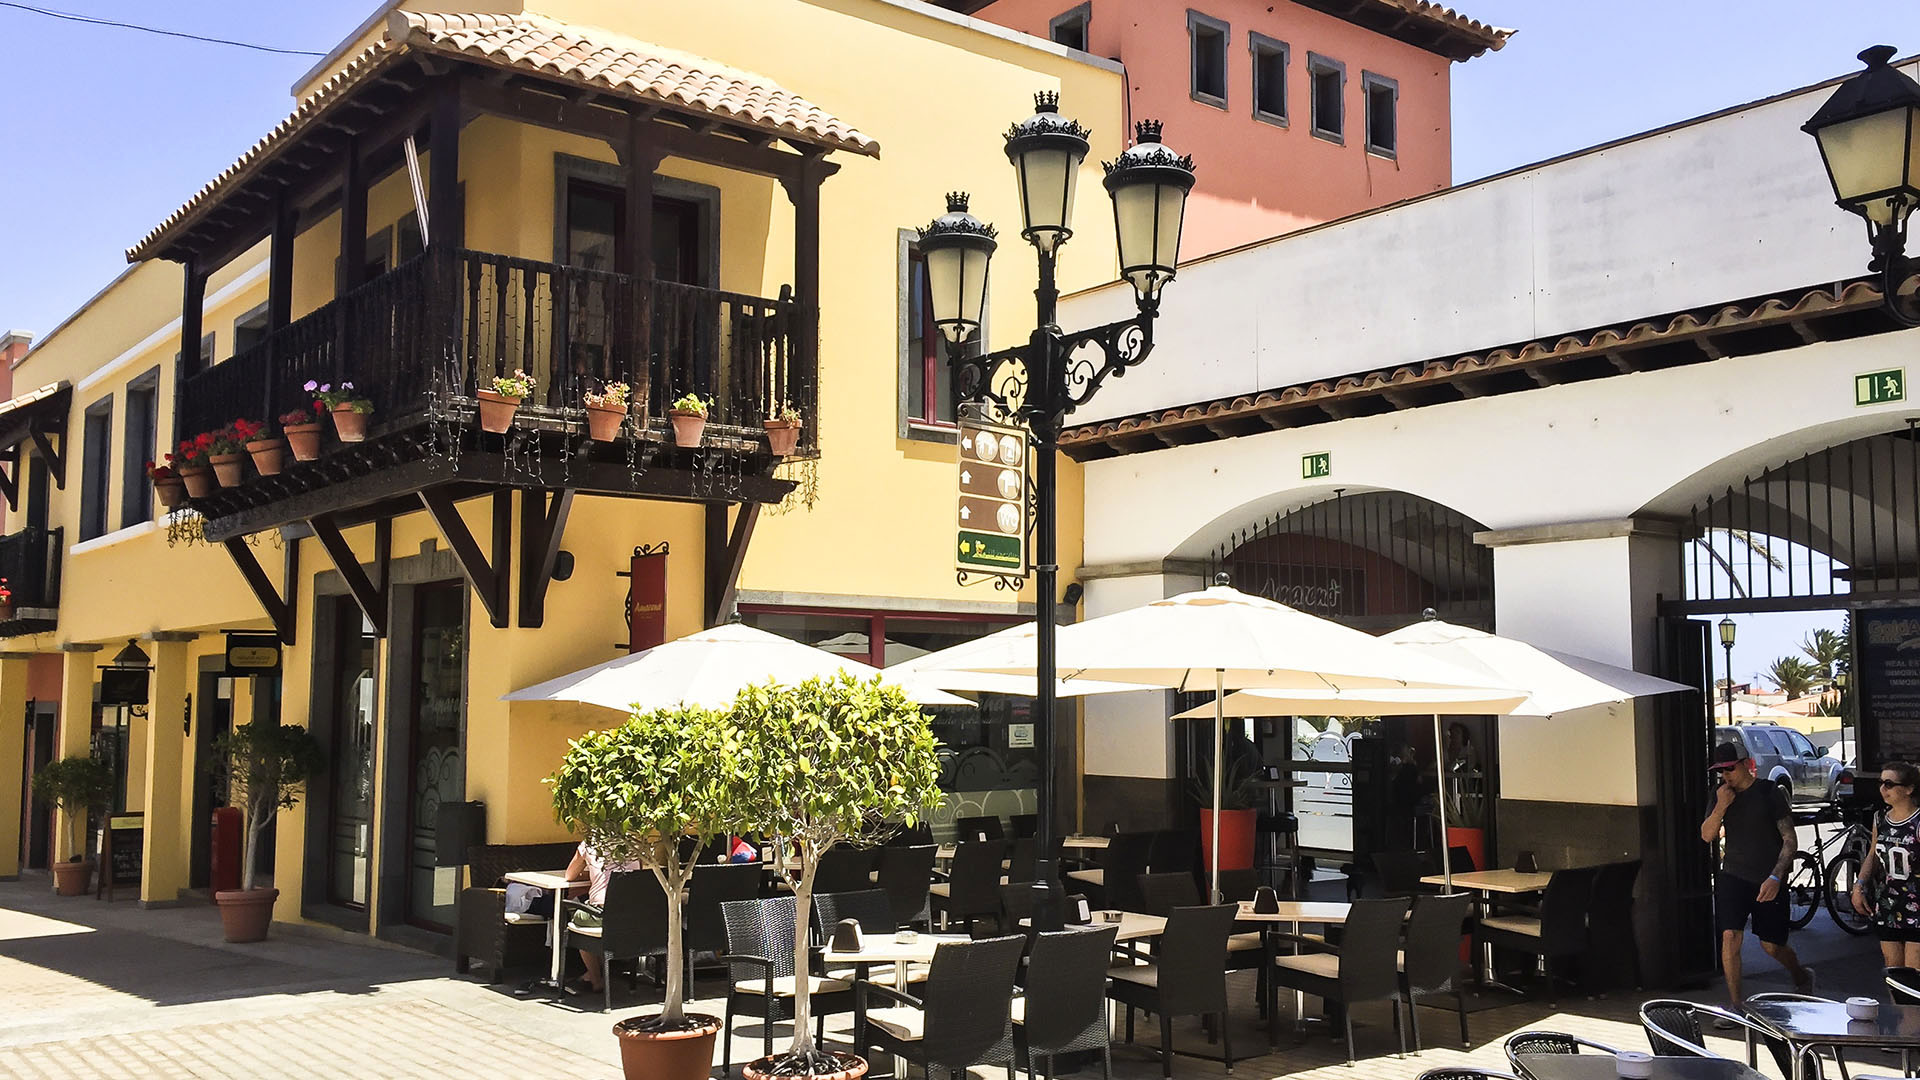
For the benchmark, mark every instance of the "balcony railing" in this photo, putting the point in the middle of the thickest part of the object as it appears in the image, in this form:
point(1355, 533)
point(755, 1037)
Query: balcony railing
point(30, 563)
point(428, 332)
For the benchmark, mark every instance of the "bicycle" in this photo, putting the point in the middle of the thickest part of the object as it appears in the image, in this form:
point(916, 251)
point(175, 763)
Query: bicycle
point(1814, 872)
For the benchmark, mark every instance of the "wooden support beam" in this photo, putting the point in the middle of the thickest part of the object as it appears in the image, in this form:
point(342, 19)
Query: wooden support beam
point(9, 480)
point(445, 226)
point(725, 555)
point(371, 599)
point(488, 579)
point(280, 611)
point(1623, 362)
point(1540, 376)
point(56, 459)
point(353, 225)
point(543, 526)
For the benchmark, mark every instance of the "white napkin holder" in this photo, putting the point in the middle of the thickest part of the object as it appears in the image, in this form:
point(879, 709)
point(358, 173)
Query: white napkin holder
point(1633, 1064)
point(1862, 1008)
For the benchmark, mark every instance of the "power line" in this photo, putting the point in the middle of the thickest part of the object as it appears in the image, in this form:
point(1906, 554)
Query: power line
point(93, 21)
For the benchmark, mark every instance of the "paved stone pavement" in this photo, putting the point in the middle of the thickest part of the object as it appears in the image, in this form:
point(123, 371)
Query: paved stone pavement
point(98, 990)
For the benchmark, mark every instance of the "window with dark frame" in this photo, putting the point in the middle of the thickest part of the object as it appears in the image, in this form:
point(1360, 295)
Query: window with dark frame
point(929, 384)
point(1208, 39)
point(96, 468)
point(1269, 78)
point(1383, 122)
point(1069, 28)
point(140, 446)
point(1328, 81)
point(249, 329)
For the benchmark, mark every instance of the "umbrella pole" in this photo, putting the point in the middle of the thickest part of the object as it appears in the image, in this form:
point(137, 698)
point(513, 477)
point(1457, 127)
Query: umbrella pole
point(1440, 771)
point(1219, 767)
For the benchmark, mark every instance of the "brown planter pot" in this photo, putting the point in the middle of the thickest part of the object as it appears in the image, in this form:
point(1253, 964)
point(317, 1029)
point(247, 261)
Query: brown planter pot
point(6, 612)
point(197, 479)
point(72, 878)
point(603, 423)
point(782, 436)
point(687, 428)
point(851, 1068)
point(496, 411)
point(171, 493)
point(304, 440)
point(231, 469)
point(269, 456)
point(349, 425)
point(245, 914)
point(667, 1055)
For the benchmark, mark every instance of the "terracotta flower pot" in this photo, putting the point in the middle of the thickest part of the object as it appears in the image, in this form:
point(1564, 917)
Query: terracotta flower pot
point(496, 411)
point(171, 492)
point(351, 426)
point(851, 1068)
point(230, 469)
point(198, 480)
point(782, 436)
point(269, 455)
point(687, 428)
point(71, 878)
point(304, 439)
point(603, 422)
point(667, 1055)
point(245, 914)
point(6, 612)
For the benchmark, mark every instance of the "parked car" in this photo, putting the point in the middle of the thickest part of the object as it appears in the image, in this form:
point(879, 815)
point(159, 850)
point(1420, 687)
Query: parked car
point(1785, 757)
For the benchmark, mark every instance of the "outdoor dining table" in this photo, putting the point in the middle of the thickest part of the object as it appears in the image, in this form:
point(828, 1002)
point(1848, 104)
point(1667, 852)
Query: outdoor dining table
point(1293, 913)
point(1807, 1026)
point(1485, 884)
point(556, 883)
point(1602, 1067)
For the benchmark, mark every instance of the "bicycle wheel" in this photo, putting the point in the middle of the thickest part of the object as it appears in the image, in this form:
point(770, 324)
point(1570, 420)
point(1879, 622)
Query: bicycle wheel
point(1842, 872)
point(1803, 890)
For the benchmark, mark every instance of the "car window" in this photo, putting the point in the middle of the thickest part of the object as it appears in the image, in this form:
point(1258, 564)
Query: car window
point(1762, 741)
point(1732, 738)
point(1800, 744)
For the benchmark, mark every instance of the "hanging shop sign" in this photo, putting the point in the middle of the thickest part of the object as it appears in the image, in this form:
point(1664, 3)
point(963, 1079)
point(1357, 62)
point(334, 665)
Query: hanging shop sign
point(123, 686)
point(1887, 681)
point(251, 653)
point(991, 514)
point(647, 598)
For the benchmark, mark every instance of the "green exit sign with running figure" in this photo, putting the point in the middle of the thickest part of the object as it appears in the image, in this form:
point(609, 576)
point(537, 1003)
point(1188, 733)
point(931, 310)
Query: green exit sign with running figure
point(1315, 466)
point(1880, 387)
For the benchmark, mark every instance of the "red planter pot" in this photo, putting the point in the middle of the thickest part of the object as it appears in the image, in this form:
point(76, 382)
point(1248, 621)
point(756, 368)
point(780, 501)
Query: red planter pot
point(496, 411)
point(230, 469)
point(349, 425)
point(304, 441)
point(603, 422)
point(667, 1055)
point(269, 456)
point(782, 436)
point(1236, 839)
point(688, 427)
point(71, 878)
point(197, 479)
point(245, 914)
point(171, 492)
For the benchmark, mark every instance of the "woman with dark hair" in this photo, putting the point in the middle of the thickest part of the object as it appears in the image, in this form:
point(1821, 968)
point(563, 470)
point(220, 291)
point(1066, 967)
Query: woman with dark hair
point(1895, 856)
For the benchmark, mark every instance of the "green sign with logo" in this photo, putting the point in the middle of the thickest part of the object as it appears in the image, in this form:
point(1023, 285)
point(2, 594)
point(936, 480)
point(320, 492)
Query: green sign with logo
point(1315, 466)
point(1880, 387)
point(990, 552)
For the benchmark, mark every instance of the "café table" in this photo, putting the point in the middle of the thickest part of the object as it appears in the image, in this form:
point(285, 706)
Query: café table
point(1806, 1026)
point(1601, 1067)
point(885, 949)
point(1293, 913)
point(1134, 926)
point(1485, 884)
point(556, 883)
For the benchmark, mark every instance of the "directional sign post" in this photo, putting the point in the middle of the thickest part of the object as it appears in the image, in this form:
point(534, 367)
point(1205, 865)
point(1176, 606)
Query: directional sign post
point(991, 520)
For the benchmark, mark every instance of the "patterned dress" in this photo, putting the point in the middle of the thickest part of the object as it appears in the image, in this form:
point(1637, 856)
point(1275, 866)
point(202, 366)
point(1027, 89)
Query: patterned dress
point(1897, 850)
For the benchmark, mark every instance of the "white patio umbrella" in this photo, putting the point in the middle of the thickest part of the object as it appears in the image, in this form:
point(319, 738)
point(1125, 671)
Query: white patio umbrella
point(947, 670)
point(709, 668)
point(1222, 639)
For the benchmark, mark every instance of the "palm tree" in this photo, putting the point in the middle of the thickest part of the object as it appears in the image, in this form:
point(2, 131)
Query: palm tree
point(1751, 541)
point(1826, 649)
point(1793, 676)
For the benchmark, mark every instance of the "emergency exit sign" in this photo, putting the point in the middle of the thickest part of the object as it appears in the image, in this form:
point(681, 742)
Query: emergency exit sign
point(1315, 466)
point(1880, 387)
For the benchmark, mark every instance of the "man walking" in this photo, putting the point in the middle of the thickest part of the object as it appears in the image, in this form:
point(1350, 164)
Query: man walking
point(1760, 845)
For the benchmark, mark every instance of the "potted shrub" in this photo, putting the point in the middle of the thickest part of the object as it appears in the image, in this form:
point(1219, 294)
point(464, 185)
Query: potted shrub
point(302, 429)
point(1239, 802)
point(349, 409)
point(191, 465)
point(74, 786)
point(689, 414)
point(269, 452)
point(606, 411)
point(228, 454)
point(827, 762)
point(166, 484)
point(783, 430)
point(264, 767)
point(498, 405)
point(6, 600)
point(654, 790)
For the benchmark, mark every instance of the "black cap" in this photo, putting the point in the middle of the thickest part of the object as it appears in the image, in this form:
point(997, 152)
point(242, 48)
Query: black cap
point(1726, 756)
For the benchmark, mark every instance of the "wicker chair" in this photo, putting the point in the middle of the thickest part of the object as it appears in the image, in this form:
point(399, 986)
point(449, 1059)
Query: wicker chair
point(905, 873)
point(760, 972)
point(1559, 933)
point(715, 884)
point(982, 827)
point(845, 869)
point(963, 1015)
point(1364, 968)
point(1065, 1007)
point(1188, 977)
point(1673, 1027)
point(1430, 963)
point(1462, 1072)
point(972, 888)
point(632, 924)
point(482, 930)
point(1115, 882)
point(1546, 1042)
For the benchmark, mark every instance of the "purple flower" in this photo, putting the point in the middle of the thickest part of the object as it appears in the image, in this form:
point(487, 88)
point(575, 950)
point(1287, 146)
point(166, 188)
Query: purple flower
point(311, 386)
point(346, 386)
point(326, 387)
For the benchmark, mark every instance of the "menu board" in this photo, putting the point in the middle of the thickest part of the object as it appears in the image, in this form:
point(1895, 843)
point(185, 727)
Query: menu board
point(1887, 673)
point(122, 847)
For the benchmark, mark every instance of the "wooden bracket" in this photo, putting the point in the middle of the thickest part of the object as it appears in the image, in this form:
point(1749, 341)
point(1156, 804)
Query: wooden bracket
point(543, 524)
point(725, 555)
point(281, 612)
point(10, 479)
point(372, 599)
point(488, 579)
point(56, 460)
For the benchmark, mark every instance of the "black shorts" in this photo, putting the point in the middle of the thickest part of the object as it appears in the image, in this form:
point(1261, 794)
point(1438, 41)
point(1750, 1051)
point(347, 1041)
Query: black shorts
point(1904, 934)
point(1735, 901)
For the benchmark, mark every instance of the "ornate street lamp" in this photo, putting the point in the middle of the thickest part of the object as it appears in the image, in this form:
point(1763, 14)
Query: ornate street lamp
point(1726, 642)
point(1040, 382)
point(1869, 136)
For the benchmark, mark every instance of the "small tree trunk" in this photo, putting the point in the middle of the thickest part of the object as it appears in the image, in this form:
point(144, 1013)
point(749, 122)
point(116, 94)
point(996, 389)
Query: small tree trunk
point(256, 824)
point(674, 880)
point(803, 912)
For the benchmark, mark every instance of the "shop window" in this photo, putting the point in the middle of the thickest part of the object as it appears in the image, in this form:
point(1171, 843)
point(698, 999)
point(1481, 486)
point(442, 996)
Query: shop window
point(139, 447)
point(1208, 37)
point(1383, 122)
point(926, 382)
point(1070, 28)
point(249, 329)
point(1269, 78)
point(1328, 81)
point(96, 468)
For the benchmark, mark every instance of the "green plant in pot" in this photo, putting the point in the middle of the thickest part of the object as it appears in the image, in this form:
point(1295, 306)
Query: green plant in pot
point(830, 761)
point(265, 768)
point(653, 791)
point(74, 786)
point(1240, 797)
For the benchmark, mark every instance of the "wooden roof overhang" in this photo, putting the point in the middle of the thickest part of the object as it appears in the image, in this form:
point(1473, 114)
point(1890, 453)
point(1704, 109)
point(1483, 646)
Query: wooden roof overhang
point(1421, 23)
point(38, 417)
point(1756, 325)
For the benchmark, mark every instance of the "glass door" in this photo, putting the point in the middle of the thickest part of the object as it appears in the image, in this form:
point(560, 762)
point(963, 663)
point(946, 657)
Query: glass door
point(439, 772)
point(354, 667)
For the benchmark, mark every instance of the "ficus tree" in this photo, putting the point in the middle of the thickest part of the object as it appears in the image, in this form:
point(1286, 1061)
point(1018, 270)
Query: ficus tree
point(653, 791)
point(265, 768)
point(830, 761)
point(75, 785)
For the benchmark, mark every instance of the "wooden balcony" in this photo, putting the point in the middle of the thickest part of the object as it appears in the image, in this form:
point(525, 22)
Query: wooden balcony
point(30, 565)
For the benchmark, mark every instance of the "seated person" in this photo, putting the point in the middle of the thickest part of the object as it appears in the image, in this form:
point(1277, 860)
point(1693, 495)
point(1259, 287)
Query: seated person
point(587, 866)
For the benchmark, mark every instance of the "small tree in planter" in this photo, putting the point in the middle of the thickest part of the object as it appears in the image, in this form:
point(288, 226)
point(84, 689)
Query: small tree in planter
point(689, 415)
point(826, 762)
point(653, 791)
point(264, 767)
point(74, 786)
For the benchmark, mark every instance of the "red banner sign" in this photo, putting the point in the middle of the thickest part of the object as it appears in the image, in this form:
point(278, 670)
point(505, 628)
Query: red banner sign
point(647, 602)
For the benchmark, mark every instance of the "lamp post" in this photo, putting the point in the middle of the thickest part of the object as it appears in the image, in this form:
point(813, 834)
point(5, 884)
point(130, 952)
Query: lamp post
point(1726, 642)
point(1869, 136)
point(1040, 382)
